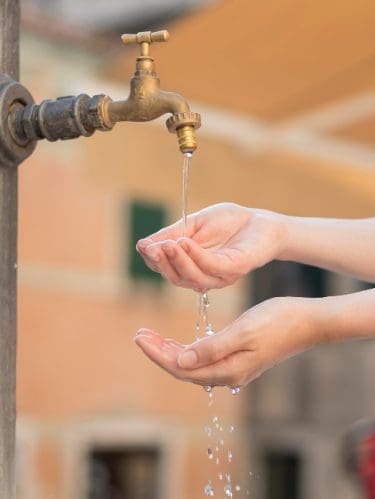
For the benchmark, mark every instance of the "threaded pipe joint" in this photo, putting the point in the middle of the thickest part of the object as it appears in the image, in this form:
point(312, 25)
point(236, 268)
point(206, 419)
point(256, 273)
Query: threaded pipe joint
point(186, 139)
point(184, 125)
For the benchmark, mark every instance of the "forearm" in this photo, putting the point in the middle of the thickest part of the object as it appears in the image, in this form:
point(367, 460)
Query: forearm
point(345, 317)
point(346, 246)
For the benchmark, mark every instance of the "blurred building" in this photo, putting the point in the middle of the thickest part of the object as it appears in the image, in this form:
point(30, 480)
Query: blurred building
point(286, 95)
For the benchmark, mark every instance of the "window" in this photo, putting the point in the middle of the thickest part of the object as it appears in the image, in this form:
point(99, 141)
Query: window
point(288, 279)
point(130, 473)
point(282, 475)
point(144, 219)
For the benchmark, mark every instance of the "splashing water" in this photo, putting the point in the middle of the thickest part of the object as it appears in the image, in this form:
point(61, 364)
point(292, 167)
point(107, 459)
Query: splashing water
point(208, 489)
point(228, 490)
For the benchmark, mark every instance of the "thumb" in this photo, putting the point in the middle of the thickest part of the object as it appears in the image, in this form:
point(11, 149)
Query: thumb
point(207, 350)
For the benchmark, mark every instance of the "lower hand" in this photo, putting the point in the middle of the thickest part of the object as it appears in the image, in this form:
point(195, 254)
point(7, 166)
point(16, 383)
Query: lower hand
point(260, 338)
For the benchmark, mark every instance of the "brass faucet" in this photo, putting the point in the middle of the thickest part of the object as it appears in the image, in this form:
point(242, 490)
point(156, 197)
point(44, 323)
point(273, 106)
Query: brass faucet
point(22, 122)
point(147, 101)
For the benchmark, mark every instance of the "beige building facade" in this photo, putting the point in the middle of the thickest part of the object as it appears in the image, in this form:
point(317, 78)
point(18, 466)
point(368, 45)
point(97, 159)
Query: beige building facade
point(274, 135)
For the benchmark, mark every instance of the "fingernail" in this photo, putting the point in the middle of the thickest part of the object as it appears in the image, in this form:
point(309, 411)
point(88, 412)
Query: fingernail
point(142, 243)
point(187, 359)
point(145, 333)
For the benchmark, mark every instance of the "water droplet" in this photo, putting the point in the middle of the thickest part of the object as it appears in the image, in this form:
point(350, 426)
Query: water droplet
point(210, 453)
point(250, 473)
point(215, 419)
point(221, 442)
point(231, 429)
point(228, 477)
point(217, 460)
point(210, 403)
point(228, 490)
point(235, 389)
point(217, 448)
point(208, 388)
point(208, 430)
point(206, 300)
point(237, 488)
point(209, 331)
point(221, 428)
point(208, 489)
point(217, 425)
point(230, 456)
point(220, 476)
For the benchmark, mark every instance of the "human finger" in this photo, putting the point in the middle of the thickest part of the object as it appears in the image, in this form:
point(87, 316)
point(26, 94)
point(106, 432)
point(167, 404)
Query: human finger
point(190, 274)
point(162, 352)
point(233, 370)
point(158, 261)
point(214, 348)
point(172, 232)
point(212, 262)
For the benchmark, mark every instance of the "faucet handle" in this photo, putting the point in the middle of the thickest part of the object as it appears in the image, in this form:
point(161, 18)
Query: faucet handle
point(145, 38)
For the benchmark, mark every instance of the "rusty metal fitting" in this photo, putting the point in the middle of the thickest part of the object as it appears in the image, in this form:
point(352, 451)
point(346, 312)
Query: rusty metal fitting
point(61, 119)
point(13, 99)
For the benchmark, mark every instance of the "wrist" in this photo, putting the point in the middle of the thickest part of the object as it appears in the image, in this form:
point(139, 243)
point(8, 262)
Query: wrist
point(275, 227)
point(290, 230)
point(346, 317)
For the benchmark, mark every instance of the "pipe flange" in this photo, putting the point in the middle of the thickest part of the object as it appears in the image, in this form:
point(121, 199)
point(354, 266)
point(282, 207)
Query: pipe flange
point(178, 120)
point(12, 96)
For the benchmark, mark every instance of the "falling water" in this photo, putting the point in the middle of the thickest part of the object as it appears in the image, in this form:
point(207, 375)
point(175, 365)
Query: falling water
point(185, 191)
point(214, 430)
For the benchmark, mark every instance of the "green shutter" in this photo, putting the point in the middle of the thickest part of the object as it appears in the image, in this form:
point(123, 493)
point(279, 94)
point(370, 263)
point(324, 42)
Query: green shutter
point(145, 219)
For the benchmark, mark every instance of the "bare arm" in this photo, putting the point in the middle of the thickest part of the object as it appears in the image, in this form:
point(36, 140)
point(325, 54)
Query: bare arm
point(346, 246)
point(226, 241)
point(262, 337)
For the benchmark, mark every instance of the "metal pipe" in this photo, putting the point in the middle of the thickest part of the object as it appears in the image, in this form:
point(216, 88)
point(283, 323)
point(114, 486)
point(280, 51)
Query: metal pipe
point(9, 64)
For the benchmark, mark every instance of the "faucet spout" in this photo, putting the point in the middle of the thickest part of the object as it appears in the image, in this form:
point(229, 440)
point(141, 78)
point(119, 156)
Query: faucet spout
point(142, 106)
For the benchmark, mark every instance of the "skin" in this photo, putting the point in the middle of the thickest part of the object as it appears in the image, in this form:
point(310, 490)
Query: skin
point(225, 242)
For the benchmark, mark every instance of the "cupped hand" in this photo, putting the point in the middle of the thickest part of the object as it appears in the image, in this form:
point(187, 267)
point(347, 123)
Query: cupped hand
point(222, 243)
point(260, 338)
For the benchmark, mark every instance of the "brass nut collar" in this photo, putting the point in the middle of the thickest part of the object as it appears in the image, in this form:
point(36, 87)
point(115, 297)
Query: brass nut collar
point(98, 112)
point(178, 120)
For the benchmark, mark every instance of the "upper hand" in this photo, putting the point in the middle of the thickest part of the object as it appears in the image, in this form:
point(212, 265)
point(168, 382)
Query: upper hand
point(222, 243)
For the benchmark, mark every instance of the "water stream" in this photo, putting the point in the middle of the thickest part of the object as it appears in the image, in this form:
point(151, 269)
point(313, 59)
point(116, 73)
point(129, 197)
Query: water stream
point(216, 433)
point(185, 191)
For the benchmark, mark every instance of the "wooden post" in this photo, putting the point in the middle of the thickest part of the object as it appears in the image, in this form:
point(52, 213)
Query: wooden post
point(9, 63)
